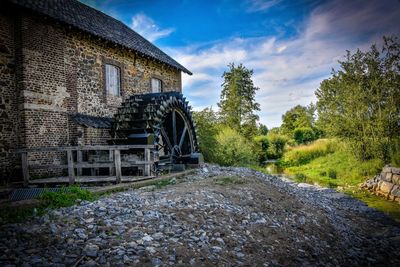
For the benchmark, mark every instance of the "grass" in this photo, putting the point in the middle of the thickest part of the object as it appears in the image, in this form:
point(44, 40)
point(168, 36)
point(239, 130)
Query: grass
point(48, 200)
point(337, 169)
point(301, 155)
point(228, 180)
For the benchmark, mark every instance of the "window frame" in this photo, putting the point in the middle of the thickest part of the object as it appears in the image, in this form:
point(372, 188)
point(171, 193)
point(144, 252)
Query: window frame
point(118, 79)
point(157, 78)
point(121, 67)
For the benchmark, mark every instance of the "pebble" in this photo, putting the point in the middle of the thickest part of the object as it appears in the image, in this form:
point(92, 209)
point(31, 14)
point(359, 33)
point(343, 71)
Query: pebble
point(205, 226)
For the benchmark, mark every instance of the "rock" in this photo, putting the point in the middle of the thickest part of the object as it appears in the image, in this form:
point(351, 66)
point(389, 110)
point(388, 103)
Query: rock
point(216, 249)
point(385, 187)
point(147, 238)
point(151, 250)
point(91, 250)
point(139, 213)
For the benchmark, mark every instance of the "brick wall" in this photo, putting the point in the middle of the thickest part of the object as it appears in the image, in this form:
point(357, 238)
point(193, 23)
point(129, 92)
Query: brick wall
point(8, 99)
point(56, 71)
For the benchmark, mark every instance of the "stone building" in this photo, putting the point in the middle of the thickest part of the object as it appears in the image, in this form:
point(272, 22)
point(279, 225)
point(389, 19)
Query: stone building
point(64, 69)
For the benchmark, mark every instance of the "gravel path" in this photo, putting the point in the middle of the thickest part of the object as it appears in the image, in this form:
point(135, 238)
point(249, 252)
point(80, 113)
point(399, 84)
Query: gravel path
point(216, 217)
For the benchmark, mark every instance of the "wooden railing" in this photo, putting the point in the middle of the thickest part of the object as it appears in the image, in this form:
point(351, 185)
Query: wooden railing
point(114, 162)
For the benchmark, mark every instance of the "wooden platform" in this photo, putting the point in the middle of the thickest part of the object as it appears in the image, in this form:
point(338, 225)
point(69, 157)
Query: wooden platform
point(89, 179)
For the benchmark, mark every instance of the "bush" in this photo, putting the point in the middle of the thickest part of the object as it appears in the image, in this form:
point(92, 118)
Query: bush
point(276, 146)
point(206, 130)
point(233, 149)
point(261, 145)
point(303, 154)
point(300, 177)
point(332, 173)
point(303, 135)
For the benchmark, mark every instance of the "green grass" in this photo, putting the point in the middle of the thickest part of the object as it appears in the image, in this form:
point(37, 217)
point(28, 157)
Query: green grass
point(48, 200)
point(228, 180)
point(303, 154)
point(341, 170)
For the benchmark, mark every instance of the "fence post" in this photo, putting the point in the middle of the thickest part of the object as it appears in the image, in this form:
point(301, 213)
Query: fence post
point(111, 159)
point(79, 161)
point(117, 160)
point(71, 174)
point(147, 159)
point(25, 170)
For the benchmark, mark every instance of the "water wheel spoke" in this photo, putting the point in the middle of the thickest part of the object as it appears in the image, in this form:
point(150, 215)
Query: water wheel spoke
point(165, 135)
point(174, 133)
point(182, 137)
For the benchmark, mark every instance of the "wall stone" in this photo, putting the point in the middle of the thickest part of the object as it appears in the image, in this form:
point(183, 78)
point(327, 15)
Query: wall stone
point(385, 184)
point(8, 99)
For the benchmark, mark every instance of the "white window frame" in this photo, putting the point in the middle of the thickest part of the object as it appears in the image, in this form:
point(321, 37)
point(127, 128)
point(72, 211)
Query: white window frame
point(156, 85)
point(113, 80)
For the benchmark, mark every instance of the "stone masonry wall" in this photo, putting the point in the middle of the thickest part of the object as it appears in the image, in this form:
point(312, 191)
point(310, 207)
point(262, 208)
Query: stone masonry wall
point(61, 72)
point(386, 184)
point(8, 99)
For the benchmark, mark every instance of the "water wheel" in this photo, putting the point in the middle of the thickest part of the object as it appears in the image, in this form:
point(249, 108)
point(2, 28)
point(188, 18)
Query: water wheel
point(164, 119)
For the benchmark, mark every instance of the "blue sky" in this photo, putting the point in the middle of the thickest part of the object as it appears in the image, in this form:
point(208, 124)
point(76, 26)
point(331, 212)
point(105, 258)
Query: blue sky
point(291, 45)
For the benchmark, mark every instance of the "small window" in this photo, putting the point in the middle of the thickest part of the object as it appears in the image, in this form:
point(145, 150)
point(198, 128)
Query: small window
point(113, 80)
point(156, 85)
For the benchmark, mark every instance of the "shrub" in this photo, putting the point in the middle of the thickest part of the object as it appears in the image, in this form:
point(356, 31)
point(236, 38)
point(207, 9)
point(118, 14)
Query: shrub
point(233, 149)
point(206, 130)
point(261, 145)
point(300, 177)
point(332, 173)
point(303, 154)
point(276, 146)
point(303, 135)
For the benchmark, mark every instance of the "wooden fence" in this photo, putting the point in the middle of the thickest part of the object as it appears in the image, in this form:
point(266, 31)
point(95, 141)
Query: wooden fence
point(114, 163)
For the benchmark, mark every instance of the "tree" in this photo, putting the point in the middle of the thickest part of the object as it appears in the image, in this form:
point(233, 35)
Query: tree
point(361, 101)
point(298, 117)
point(206, 130)
point(237, 102)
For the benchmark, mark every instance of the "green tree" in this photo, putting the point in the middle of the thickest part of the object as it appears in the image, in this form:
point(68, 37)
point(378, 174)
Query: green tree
point(237, 102)
point(207, 129)
point(361, 102)
point(233, 149)
point(298, 117)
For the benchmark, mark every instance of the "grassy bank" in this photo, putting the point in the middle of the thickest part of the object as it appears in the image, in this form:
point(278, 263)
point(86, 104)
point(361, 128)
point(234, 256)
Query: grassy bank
point(330, 163)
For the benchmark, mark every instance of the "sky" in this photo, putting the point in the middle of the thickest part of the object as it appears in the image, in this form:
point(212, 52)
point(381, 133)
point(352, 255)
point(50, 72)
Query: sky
point(290, 45)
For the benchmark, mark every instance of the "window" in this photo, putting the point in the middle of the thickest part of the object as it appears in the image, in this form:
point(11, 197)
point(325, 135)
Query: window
point(113, 80)
point(156, 85)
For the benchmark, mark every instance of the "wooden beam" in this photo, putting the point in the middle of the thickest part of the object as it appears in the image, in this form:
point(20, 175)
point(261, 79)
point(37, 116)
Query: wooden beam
point(79, 160)
point(25, 169)
point(147, 166)
point(117, 160)
point(74, 148)
point(71, 174)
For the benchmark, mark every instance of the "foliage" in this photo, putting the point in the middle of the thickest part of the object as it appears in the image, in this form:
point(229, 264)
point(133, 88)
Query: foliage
point(262, 129)
point(298, 117)
point(261, 145)
point(304, 135)
point(303, 154)
point(277, 144)
point(233, 149)
point(237, 101)
point(360, 103)
point(66, 197)
point(207, 130)
point(323, 167)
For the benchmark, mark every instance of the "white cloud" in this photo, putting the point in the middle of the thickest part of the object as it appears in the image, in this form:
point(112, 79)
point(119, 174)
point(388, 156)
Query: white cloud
point(260, 5)
point(146, 27)
point(288, 71)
